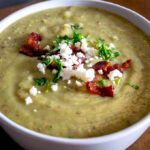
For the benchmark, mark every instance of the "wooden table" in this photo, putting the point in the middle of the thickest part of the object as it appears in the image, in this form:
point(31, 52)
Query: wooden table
point(142, 7)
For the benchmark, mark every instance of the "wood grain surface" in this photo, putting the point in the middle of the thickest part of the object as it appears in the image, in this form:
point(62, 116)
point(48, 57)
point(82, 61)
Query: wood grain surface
point(140, 6)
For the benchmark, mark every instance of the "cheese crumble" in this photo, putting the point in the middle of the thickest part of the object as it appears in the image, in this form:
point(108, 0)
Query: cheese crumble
point(41, 67)
point(33, 91)
point(28, 100)
point(54, 87)
point(113, 74)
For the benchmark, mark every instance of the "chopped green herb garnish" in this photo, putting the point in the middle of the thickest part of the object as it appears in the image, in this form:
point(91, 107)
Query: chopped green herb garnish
point(47, 61)
point(77, 37)
point(102, 82)
point(117, 81)
point(107, 53)
point(59, 66)
point(75, 27)
point(41, 82)
point(47, 86)
point(134, 86)
point(98, 42)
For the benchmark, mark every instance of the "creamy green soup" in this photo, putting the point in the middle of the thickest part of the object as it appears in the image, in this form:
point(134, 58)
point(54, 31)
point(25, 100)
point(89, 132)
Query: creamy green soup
point(71, 111)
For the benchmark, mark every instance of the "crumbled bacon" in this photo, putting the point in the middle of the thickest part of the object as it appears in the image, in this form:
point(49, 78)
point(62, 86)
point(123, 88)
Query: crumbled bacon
point(113, 67)
point(33, 48)
point(33, 41)
point(127, 64)
point(101, 65)
point(53, 65)
point(76, 49)
point(102, 91)
point(29, 52)
point(83, 59)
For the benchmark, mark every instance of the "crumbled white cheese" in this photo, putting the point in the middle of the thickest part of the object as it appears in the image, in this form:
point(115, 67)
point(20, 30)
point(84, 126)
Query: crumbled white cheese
point(47, 47)
point(39, 92)
point(89, 65)
point(54, 71)
point(35, 110)
point(78, 83)
point(90, 51)
point(78, 44)
point(80, 73)
point(69, 82)
point(96, 57)
point(54, 57)
point(33, 91)
point(111, 45)
point(41, 67)
point(91, 59)
point(100, 71)
point(79, 54)
point(28, 100)
point(87, 61)
point(113, 74)
point(54, 87)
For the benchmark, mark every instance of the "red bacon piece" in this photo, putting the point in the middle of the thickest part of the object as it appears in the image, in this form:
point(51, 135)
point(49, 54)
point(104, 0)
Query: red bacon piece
point(33, 41)
point(113, 67)
point(33, 48)
point(102, 91)
point(29, 52)
point(76, 49)
point(127, 64)
point(101, 65)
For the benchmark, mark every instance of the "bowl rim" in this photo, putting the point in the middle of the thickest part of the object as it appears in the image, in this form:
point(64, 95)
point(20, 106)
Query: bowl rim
point(82, 141)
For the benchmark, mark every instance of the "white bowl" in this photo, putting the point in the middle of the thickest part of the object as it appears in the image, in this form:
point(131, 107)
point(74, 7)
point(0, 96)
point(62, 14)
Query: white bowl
point(32, 140)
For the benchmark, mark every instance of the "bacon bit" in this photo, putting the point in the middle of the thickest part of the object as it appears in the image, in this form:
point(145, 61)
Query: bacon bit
point(127, 64)
point(29, 52)
point(115, 66)
point(102, 91)
point(53, 65)
point(74, 67)
point(33, 48)
point(82, 62)
point(76, 49)
point(101, 65)
point(97, 78)
point(33, 41)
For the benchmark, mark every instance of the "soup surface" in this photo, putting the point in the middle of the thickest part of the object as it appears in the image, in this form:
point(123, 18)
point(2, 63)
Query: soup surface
point(67, 108)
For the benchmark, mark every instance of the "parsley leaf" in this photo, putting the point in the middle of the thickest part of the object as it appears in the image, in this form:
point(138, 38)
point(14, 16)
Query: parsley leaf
point(98, 42)
point(102, 82)
point(77, 37)
point(47, 61)
point(107, 53)
point(59, 65)
point(75, 27)
point(134, 86)
point(40, 81)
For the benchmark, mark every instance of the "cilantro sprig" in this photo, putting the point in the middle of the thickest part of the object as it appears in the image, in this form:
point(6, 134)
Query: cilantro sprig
point(107, 53)
point(59, 66)
point(76, 27)
point(41, 82)
point(47, 61)
point(77, 37)
point(102, 82)
point(132, 85)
